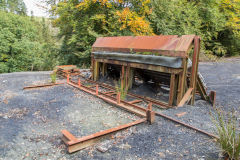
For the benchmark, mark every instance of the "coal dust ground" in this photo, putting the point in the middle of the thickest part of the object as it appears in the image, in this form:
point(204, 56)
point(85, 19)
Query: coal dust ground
point(31, 120)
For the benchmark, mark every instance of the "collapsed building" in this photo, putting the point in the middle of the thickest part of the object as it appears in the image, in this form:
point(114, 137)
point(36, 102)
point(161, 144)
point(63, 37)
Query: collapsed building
point(166, 60)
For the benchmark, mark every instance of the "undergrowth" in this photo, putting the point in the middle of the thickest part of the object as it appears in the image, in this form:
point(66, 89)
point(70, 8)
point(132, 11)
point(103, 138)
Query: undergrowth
point(229, 138)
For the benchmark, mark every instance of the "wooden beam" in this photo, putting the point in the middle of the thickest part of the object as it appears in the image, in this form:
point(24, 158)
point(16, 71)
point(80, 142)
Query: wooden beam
point(172, 89)
point(103, 69)
point(142, 66)
point(96, 70)
point(186, 97)
point(182, 79)
point(194, 72)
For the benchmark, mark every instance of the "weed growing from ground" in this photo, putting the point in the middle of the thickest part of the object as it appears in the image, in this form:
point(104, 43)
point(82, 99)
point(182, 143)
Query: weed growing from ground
point(122, 89)
point(229, 138)
point(53, 77)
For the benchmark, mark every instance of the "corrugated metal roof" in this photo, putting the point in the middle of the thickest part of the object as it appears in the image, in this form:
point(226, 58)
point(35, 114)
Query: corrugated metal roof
point(169, 45)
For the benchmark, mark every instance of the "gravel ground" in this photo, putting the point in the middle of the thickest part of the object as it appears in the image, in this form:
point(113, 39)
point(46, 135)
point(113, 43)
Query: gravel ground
point(31, 120)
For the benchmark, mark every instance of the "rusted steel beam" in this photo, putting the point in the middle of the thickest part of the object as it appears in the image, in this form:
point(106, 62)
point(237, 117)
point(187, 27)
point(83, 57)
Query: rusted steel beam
point(107, 92)
point(67, 78)
point(186, 125)
point(86, 141)
point(156, 102)
point(123, 104)
point(186, 97)
point(118, 98)
point(79, 82)
point(69, 136)
point(150, 114)
point(97, 90)
point(43, 85)
point(111, 93)
point(168, 45)
point(135, 101)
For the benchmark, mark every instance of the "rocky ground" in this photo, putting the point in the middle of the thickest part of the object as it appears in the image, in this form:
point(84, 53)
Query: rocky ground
point(31, 120)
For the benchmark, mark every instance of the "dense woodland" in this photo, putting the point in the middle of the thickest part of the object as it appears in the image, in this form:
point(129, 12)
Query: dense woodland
point(29, 43)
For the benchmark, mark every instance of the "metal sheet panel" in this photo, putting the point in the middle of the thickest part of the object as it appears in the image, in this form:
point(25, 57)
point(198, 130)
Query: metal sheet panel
point(168, 45)
point(172, 62)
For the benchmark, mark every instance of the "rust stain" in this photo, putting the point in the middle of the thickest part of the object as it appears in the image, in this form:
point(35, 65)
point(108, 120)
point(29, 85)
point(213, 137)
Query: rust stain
point(169, 45)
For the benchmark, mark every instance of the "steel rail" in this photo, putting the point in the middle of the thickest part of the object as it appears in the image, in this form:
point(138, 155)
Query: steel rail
point(42, 85)
point(156, 102)
point(186, 125)
point(158, 114)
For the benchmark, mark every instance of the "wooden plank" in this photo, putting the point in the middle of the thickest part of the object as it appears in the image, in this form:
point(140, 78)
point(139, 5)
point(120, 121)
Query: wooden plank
point(201, 89)
point(182, 79)
point(185, 97)
point(172, 89)
point(135, 101)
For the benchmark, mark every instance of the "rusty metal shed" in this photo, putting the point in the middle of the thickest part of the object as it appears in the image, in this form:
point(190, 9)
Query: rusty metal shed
point(164, 55)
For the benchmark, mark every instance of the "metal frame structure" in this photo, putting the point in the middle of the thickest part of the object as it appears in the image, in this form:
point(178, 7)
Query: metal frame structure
point(183, 84)
point(109, 94)
point(75, 144)
point(146, 114)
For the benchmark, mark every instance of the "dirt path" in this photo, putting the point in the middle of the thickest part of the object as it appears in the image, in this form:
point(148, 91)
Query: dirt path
point(31, 121)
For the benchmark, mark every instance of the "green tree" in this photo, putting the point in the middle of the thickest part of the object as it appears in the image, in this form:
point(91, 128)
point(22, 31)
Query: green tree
point(23, 47)
point(14, 6)
point(82, 22)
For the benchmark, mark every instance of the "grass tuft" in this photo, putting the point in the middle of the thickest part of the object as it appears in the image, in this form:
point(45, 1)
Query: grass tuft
point(122, 89)
point(229, 139)
point(53, 77)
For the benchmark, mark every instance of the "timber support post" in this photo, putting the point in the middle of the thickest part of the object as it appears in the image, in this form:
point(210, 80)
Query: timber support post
point(194, 71)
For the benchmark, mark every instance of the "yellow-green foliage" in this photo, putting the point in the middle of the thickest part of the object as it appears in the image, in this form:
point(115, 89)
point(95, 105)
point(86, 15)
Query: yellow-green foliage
point(231, 10)
point(81, 22)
